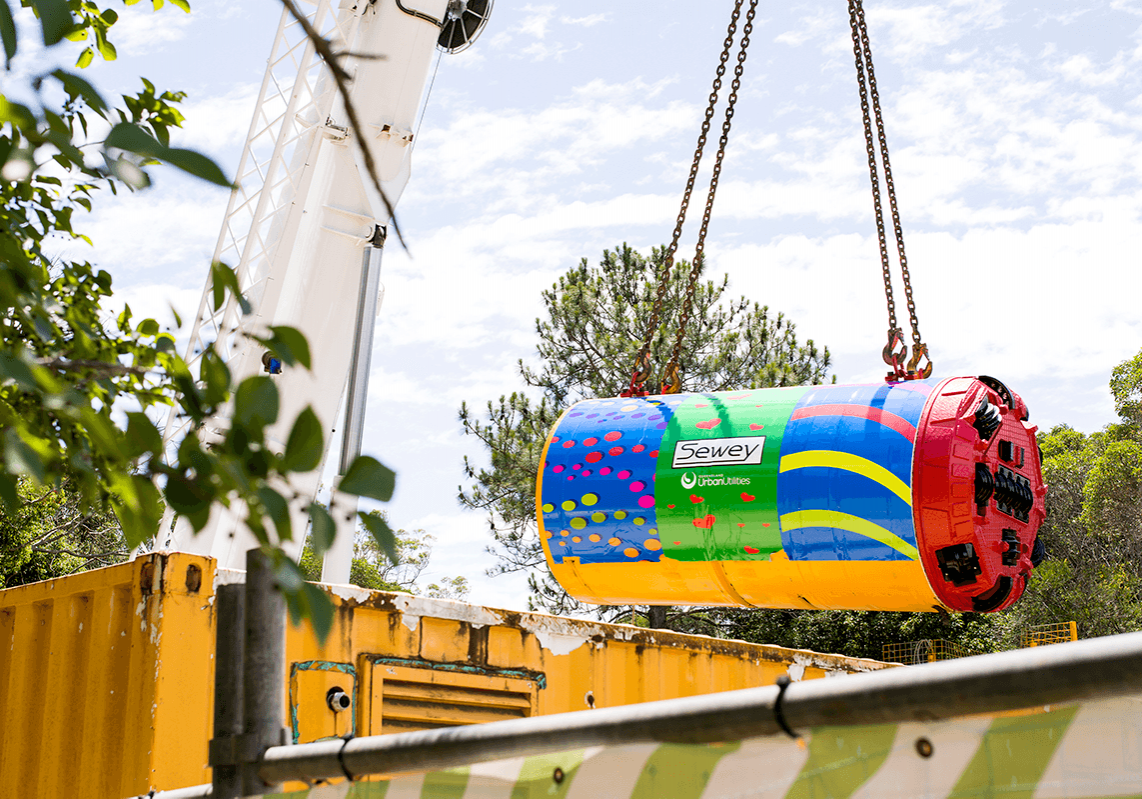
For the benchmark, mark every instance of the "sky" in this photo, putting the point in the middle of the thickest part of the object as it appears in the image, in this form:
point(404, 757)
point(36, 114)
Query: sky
point(1015, 129)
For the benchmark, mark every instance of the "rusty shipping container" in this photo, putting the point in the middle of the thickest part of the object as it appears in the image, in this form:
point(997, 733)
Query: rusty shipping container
point(106, 677)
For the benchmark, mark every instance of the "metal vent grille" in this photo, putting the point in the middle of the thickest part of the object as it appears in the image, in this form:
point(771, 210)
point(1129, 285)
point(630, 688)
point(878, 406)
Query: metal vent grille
point(430, 696)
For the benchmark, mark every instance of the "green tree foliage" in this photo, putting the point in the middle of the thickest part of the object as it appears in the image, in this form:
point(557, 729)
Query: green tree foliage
point(1093, 530)
point(595, 318)
point(50, 534)
point(65, 374)
point(372, 568)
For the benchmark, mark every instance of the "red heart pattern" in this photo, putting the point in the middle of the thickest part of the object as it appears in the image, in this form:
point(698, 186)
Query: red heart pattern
point(708, 425)
point(696, 499)
point(748, 497)
point(706, 522)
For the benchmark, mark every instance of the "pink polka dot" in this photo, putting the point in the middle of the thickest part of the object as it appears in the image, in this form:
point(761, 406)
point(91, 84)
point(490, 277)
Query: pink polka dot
point(637, 485)
point(616, 451)
point(646, 501)
point(568, 444)
point(554, 439)
point(590, 442)
point(624, 474)
point(577, 466)
point(594, 457)
point(654, 453)
point(637, 448)
point(570, 477)
point(557, 469)
point(605, 471)
point(586, 472)
point(614, 435)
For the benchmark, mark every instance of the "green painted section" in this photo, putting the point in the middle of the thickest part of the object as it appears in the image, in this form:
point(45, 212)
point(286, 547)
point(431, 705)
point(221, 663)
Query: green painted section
point(537, 778)
point(449, 784)
point(369, 790)
point(680, 771)
point(841, 759)
point(1013, 755)
point(723, 511)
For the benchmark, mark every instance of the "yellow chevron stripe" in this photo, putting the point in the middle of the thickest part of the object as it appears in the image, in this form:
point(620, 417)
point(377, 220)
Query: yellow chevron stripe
point(845, 521)
point(849, 463)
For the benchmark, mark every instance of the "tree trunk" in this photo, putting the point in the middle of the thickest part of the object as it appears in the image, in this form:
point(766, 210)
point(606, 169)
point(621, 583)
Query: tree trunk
point(656, 617)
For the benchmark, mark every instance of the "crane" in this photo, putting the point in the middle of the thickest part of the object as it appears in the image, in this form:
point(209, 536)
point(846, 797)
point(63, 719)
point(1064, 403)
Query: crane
point(305, 228)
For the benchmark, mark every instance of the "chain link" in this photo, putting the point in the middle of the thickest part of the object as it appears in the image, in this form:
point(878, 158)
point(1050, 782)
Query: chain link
point(862, 52)
point(672, 383)
point(641, 370)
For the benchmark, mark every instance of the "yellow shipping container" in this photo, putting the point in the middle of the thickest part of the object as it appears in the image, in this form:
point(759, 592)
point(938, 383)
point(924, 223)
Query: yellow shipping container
point(106, 677)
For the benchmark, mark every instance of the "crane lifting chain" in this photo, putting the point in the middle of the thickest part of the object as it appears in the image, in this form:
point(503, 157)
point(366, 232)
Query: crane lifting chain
point(895, 351)
point(671, 380)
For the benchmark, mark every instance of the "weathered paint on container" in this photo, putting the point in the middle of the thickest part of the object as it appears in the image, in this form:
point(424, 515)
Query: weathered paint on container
point(106, 677)
point(839, 496)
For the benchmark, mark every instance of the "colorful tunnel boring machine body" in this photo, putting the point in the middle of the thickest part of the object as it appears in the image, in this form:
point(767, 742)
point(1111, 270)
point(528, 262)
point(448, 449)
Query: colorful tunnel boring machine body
point(908, 496)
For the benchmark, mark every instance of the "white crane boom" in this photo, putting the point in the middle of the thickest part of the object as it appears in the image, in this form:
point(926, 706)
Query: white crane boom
point(304, 229)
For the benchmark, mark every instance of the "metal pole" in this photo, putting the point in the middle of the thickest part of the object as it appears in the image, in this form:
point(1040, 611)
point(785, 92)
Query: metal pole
point(1049, 675)
point(338, 560)
point(367, 302)
point(230, 611)
point(263, 673)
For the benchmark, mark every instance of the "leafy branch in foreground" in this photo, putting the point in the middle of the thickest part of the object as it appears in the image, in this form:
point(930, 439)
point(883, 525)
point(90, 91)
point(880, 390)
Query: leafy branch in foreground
point(77, 392)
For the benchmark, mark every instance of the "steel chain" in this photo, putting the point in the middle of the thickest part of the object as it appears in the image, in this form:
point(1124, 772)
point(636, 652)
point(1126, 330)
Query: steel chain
point(862, 51)
point(672, 381)
point(641, 368)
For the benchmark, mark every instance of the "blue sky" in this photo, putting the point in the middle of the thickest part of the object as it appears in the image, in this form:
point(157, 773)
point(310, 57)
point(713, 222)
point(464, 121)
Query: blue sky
point(1016, 136)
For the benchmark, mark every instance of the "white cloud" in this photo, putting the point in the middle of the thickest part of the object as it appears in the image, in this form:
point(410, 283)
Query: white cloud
point(587, 21)
point(141, 30)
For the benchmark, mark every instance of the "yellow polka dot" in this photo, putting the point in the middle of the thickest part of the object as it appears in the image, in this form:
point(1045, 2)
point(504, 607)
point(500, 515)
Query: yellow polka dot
point(598, 517)
point(576, 539)
point(578, 523)
point(590, 499)
point(569, 505)
point(614, 542)
point(564, 533)
point(562, 543)
point(630, 552)
point(548, 534)
point(620, 514)
point(639, 520)
point(628, 408)
point(653, 545)
point(652, 531)
point(548, 508)
point(595, 537)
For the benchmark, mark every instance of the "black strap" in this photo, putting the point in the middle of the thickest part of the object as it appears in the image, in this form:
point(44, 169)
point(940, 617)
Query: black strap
point(778, 714)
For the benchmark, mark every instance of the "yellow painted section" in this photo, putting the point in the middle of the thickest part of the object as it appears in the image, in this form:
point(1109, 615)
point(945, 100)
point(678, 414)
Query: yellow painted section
point(106, 677)
point(776, 583)
point(849, 463)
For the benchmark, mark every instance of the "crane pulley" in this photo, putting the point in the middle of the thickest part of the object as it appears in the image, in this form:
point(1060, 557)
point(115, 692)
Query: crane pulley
point(895, 352)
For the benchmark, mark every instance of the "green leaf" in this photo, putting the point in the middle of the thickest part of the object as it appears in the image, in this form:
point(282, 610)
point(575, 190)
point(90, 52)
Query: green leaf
point(142, 436)
point(367, 477)
point(289, 344)
point(320, 610)
point(79, 87)
point(222, 277)
point(85, 58)
point(19, 372)
point(306, 443)
point(322, 528)
point(256, 402)
point(55, 18)
point(381, 532)
point(132, 138)
point(138, 506)
point(189, 498)
point(9, 489)
point(22, 459)
point(148, 327)
point(7, 32)
point(216, 376)
point(183, 4)
point(278, 509)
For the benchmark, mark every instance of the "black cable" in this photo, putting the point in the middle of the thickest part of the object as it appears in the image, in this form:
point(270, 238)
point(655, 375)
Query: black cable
point(341, 756)
point(778, 714)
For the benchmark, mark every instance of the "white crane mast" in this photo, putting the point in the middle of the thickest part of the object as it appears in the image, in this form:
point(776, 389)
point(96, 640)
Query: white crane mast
point(304, 230)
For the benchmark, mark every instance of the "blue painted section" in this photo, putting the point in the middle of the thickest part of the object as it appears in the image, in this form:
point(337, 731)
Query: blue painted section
point(603, 461)
point(826, 488)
